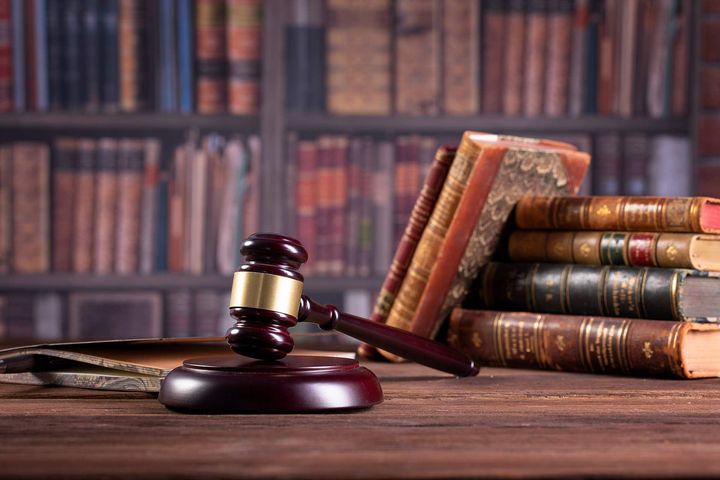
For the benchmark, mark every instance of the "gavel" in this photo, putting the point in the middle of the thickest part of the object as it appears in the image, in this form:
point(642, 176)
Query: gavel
point(267, 299)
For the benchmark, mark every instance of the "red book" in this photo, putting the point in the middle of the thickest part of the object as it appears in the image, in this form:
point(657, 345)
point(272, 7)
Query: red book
point(6, 63)
point(306, 199)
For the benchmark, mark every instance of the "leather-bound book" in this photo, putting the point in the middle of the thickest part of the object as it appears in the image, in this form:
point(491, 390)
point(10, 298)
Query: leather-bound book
point(680, 60)
point(613, 291)
point(578, 75)
point(560, 38)
point(63, 207)
point(417, 57)
point(354, 206)
point(177, 210)
point(638, 249)
point(382, 207)
point(91, 55)
point(460, 56)
point(607, 57)
point(210, 56)
point(514, 43)
point(130, 182)
point(358, 57)
point(307, 155)
point(627, 45)
point(488, 175)
point(366, 245)
point(338, 204)
point(251, 211)
point(323, 205)
point(536, 46)
point(587, 344)
point(6, 209)
point(84, 206)
point(130, 50)
point(244, 35)
point(106, 203)
point(652, 214)
point(493, 30)
point(6, 63)
point(411, 237)
point(150, 225)
point(30, 216)
point(109, 24)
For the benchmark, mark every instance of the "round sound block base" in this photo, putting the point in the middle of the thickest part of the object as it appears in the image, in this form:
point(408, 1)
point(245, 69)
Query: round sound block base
point(292, 385)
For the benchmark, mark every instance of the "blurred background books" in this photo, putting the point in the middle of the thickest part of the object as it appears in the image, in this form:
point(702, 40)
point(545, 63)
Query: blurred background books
point(324, 114)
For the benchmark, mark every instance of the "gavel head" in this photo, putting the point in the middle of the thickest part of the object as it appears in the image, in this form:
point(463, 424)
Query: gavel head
point(266, 295)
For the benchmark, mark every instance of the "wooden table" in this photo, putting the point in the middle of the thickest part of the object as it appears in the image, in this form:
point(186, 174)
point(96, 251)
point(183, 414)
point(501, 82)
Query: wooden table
point(502, 423)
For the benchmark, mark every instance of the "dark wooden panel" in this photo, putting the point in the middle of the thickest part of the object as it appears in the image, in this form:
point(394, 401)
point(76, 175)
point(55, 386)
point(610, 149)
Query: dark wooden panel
point(502, 423)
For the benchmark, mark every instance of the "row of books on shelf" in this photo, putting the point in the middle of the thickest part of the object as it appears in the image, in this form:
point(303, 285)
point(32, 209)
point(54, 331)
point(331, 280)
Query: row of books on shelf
point(121, 206)
point(52, 316)
point(130, 55)
point(524, 274)
point(462, 57)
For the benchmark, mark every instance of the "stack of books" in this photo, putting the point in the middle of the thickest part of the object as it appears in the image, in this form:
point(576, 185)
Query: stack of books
point(605, 284)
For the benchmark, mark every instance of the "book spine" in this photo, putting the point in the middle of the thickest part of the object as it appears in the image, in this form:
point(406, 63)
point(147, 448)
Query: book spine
point(168, 57)
point(367, 224)
point(410, 239)
point(383, 168)
point(63, 173)
point(560, 51)
point(18, 55)
point(607, 57)
point(41, 55)
point(6, 209)
point(210, 56)
point(55, 54)
point(19, 315)
point(92, 60)
point(176, 211)
point(339, 204)
point(570, 343)
point(681, 59)
point(149, 226)
point(322, 194)
point(352, 220)
point(31, 52)
point(72, 68)
point(185, 52)
point(627, 56)
point(651, 214)
point(307, 198)
point(130, 181)
point(251, 202)
point(84, 206)
point(633, 292)
point(592, 59)
point(460, 57)
point(359, 73)
point(608, 165)
point(536, 46)
point(297, 51)
point(417, 57)
point(30, 196)
point(6, 60)
point(129, 51)
point(106, 206)
point(493, 30)
point(244, 36)
point(428, 247)
point(150, 90)
point(639, 249)
point(493, 188)
point(110, 88)
point(514, 39)
point(578, 64)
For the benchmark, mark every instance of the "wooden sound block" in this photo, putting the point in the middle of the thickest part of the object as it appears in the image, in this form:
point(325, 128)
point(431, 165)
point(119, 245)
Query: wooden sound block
point(292, 385)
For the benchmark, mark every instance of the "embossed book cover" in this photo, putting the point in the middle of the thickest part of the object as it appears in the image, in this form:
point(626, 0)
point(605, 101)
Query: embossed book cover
point(489, 175)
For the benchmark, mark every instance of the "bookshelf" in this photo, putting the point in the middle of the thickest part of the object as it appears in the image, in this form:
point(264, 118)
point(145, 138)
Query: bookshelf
point(273, 123)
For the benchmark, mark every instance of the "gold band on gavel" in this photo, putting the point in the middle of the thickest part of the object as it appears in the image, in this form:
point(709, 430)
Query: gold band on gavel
point(266, 292)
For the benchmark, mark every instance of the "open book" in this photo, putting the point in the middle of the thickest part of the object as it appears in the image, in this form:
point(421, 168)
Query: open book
point(130, 365)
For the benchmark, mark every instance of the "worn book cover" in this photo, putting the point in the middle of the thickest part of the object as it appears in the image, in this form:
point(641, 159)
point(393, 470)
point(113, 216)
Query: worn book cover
point(489, 174)
point(587, 344)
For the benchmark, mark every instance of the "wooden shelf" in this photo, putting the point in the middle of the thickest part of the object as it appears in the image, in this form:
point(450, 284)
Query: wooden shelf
point(126, 121)
point(490, 123)
point(161, 281)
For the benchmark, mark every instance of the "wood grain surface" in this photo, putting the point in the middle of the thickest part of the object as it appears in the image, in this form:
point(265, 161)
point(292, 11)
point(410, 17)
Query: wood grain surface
point(502, 423)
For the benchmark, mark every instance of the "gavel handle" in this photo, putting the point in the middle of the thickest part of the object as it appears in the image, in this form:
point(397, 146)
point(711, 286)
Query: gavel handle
point(394, 340)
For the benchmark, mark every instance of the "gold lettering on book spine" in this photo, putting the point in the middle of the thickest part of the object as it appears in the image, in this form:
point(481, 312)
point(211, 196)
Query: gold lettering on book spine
point(521, 171)
point(672, 350)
